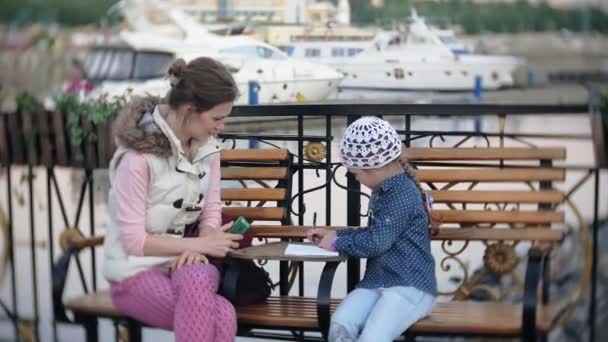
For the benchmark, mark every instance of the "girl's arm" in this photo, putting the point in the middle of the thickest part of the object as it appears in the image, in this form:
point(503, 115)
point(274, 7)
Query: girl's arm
point(346, 232)
point(130, 189)
point(388, 225)
point(211, 216)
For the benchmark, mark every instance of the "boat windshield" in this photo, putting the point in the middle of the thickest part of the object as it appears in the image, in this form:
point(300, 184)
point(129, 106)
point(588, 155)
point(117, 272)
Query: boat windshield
point(254, 51)
point(121, 64)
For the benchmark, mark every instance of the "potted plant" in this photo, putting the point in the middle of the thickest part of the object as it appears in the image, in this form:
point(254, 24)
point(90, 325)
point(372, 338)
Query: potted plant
point(87, 122)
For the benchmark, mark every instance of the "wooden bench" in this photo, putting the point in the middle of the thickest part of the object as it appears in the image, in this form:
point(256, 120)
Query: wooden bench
point(461, 221)
point(528, 318)
point(268, 170)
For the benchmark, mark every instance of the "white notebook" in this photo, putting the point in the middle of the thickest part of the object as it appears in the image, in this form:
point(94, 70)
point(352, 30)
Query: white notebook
point(302, 250)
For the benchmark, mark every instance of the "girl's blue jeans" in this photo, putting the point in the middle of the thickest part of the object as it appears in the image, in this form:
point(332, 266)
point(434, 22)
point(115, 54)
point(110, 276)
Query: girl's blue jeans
point(379, 315)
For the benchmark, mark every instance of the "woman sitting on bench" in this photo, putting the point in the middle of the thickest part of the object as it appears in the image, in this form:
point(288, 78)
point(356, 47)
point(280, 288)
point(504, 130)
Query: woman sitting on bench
point(165, 184)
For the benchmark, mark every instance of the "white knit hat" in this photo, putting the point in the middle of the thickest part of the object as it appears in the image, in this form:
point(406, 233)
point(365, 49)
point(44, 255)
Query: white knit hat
point(369, 143)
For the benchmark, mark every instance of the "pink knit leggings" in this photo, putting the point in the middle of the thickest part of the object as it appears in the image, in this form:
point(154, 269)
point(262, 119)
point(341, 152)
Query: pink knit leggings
point(185, 301)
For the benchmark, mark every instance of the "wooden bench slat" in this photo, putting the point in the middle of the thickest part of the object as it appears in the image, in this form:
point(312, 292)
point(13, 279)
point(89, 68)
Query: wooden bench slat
point(492, 153)
point(486, 216)
point(254, 155)
point(253, 194)
point(498, 234)
point(473, 234)
point(96, 303)
point(250, 173)
point(252, 213)
point(491, 175)
point(507, 196)
point(447, 317)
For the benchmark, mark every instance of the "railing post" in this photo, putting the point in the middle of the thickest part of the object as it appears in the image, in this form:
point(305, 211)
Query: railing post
point(254, 88)
point(531, 77)
point(478, 89)
point(592, 303)
point(353, 219)
point(477, 95)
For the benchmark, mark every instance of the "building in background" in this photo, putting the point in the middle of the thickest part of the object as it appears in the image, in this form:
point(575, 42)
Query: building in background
point(284, 11)
point(343, 13)
point(267, 11)
point(313, 12)
point(562, 4)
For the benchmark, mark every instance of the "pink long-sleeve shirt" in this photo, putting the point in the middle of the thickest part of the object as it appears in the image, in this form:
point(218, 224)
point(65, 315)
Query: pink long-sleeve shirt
point(130, 184)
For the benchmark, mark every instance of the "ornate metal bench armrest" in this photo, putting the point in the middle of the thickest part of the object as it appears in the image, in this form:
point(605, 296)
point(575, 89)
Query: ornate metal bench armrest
point(530, 299)
point(324, 296)
point(60, 269)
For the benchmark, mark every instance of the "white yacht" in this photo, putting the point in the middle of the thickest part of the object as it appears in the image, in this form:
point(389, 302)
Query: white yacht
point(140, 63)
point(417, 57)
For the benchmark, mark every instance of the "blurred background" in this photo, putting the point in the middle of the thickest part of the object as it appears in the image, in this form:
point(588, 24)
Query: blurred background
point(553, 49)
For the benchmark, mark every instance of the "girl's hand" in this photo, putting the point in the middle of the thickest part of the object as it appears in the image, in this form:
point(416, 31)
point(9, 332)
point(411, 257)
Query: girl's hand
point(327, 240)
point(321, 237)
point(217, 242)
point(188, 258)
point(316, 234)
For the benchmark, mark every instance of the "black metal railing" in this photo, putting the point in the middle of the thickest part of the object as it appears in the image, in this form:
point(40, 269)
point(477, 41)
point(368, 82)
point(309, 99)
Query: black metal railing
point(28, 145)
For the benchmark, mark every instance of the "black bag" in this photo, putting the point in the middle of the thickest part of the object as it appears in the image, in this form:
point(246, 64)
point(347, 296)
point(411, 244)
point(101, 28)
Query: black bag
point(253, 285)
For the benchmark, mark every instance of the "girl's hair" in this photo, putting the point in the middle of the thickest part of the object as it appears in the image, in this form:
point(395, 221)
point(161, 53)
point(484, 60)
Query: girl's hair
point(433, 223)
point(204, 83)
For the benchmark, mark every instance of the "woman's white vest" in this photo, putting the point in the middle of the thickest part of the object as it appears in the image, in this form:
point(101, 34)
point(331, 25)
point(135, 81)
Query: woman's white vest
point(176, 196)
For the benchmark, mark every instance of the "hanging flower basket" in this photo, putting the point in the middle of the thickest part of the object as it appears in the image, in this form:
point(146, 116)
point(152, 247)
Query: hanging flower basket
point(77, 133)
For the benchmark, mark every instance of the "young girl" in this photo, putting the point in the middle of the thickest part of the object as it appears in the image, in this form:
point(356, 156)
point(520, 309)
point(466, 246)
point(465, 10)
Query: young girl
point(399, 285)
point(165, 178)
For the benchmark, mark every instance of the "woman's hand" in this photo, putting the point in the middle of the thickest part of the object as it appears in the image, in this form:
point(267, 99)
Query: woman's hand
point(204, 230)
point(322, 237)
point(188, 258)
point(217, 242)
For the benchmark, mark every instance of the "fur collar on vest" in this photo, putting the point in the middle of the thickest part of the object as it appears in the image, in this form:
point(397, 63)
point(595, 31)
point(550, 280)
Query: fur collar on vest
point(129, 133)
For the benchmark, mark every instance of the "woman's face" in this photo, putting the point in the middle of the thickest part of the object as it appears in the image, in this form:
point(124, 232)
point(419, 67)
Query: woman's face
point(211, 122)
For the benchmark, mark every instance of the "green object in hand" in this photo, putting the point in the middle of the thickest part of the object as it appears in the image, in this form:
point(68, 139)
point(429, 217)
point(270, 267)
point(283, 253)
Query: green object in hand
point(240, 226)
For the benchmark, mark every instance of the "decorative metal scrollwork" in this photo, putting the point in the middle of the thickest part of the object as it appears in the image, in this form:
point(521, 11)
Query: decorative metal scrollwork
point(324, 185)
point(500, 258)
point(315, 151)
point(453, 257)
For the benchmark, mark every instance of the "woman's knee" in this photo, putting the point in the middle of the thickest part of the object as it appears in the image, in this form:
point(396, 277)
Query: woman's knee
point(198, 278)
point(225, 309)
